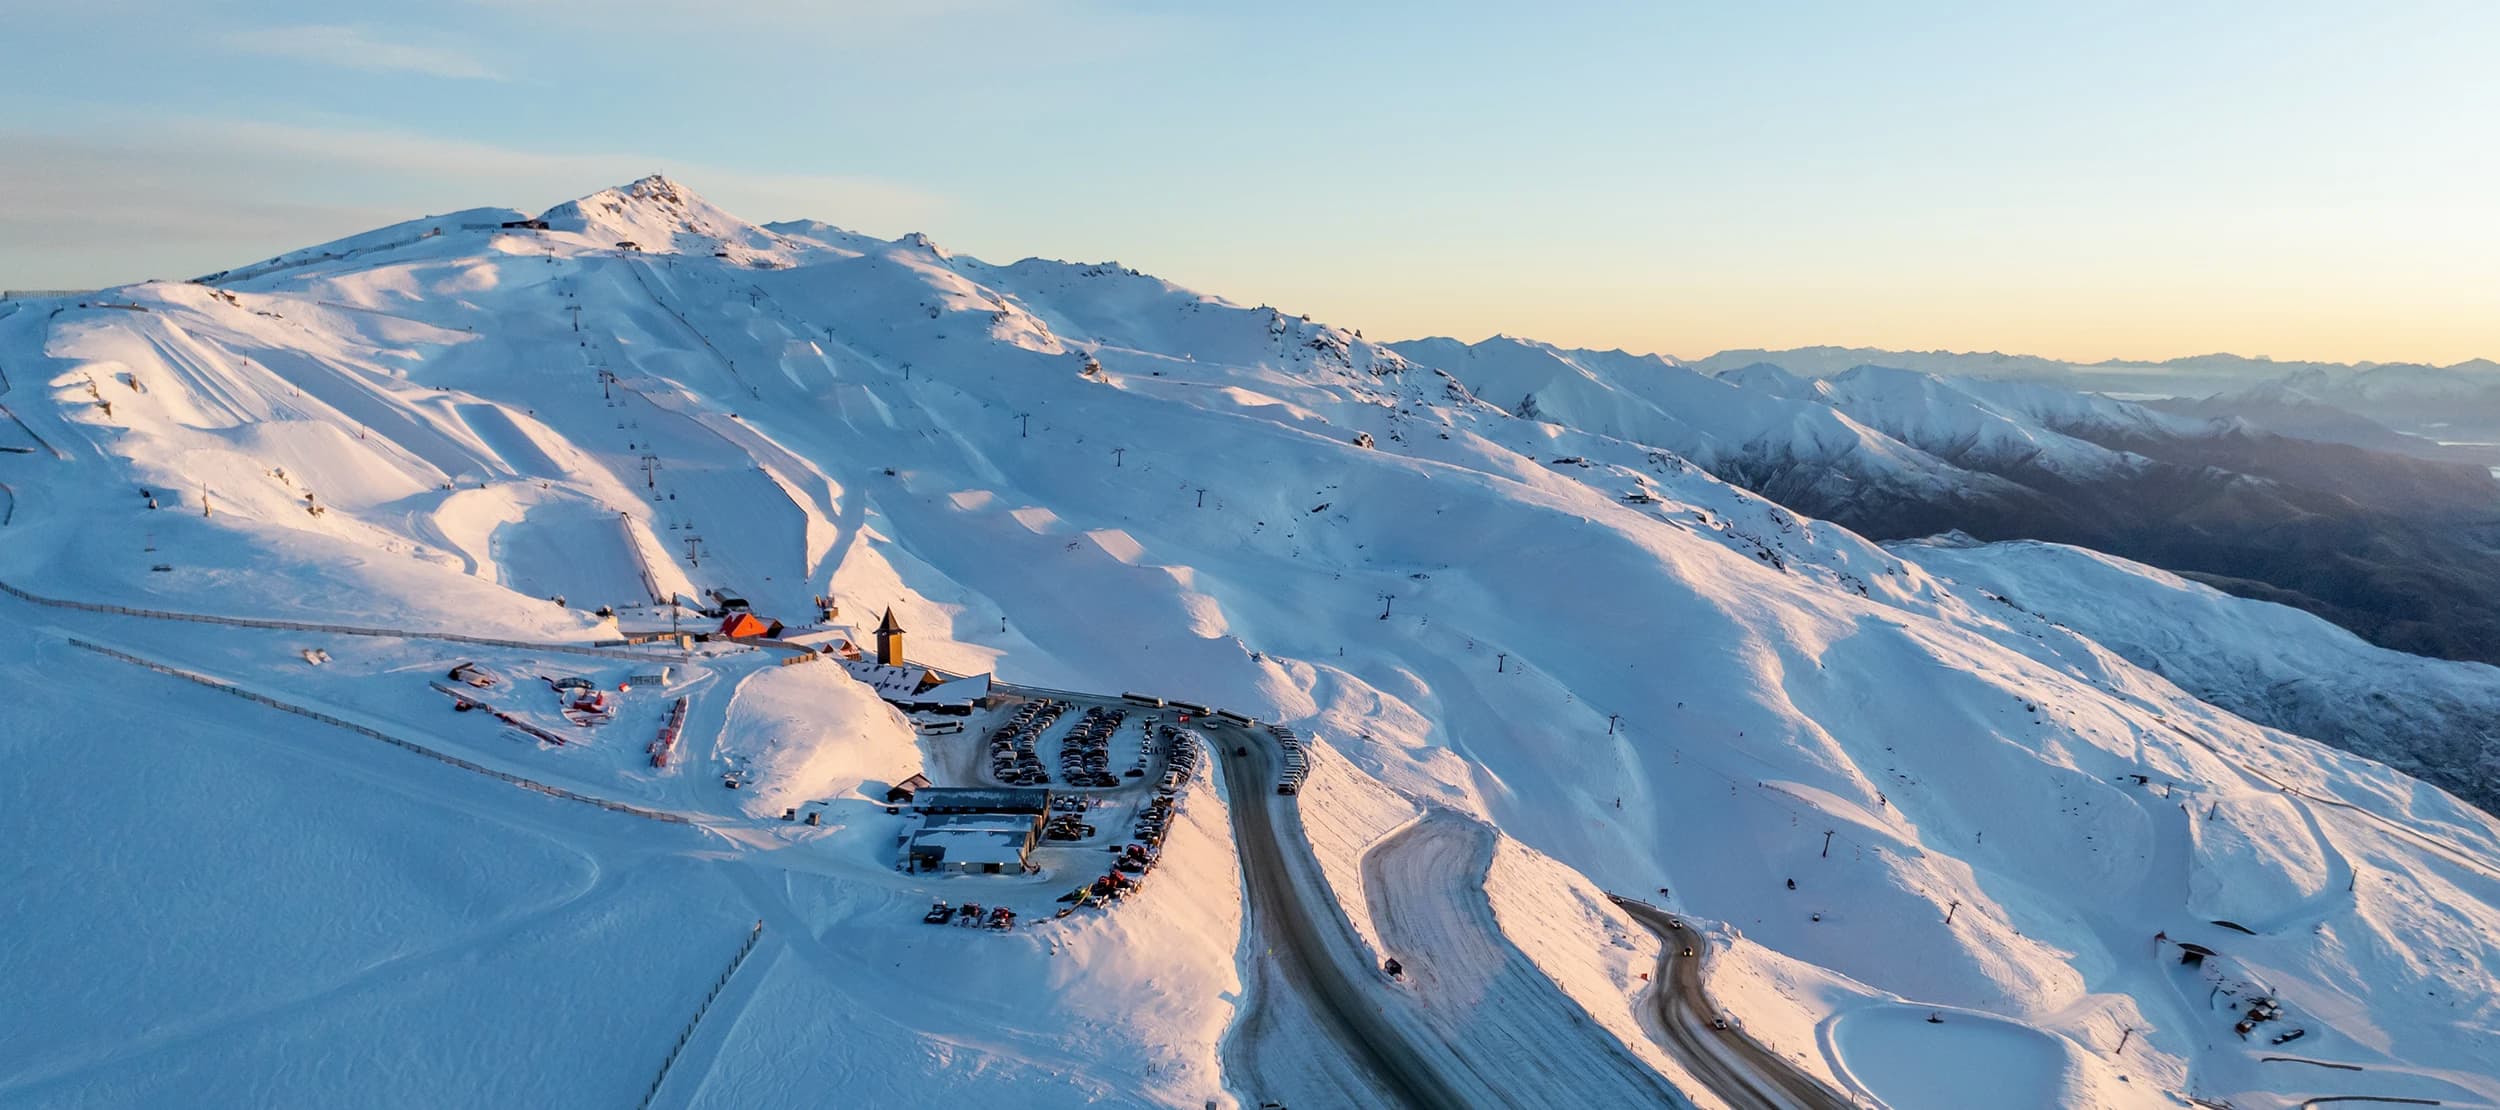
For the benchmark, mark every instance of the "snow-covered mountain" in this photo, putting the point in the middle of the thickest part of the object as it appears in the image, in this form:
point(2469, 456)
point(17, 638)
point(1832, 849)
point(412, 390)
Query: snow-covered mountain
point(2342, 531)
point(2279, 408)
point(2188, 372)
point(1963, 423)
point(2457, 404)
point(1822, 362)
point(1796, 451)
point(2435, 719)
point(1534, 656)
point(2383, 406)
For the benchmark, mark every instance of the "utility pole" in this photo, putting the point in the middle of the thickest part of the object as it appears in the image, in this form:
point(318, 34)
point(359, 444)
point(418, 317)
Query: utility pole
point(1501, 660)
point(1827, 843)
point(692, 541)
point(1202, 499)
point(1385, 601)
point(2122, 1040)
point(1119, 456)
point(650, 471)
point(1950, 910)
point(1024, 421)
point(1611, 718)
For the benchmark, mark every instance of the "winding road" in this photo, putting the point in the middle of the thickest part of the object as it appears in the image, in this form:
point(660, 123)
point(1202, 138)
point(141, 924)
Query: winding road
point(1740, 1070)
point(1476, 1022)
point(1297, 959)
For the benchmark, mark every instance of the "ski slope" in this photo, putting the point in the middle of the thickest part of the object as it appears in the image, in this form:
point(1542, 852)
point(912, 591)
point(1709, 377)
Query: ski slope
point(1082, 477)
point(2436, 719)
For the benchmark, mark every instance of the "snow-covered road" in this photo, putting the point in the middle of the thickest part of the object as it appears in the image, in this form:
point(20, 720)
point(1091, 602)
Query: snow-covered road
point(1314, 1031)
point(1742, 1072)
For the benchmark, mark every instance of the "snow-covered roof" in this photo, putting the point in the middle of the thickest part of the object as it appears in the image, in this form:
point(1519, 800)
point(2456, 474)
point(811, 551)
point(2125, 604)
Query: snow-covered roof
point(962, 691)
point(975, 845)
point(1018, 823)
point(890, 683)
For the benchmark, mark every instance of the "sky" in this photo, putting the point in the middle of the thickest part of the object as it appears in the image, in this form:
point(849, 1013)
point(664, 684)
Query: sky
point(2297, 179)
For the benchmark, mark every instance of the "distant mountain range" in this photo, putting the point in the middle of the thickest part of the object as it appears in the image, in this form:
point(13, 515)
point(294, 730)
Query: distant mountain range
point(2360, 403)
point(2280, 497)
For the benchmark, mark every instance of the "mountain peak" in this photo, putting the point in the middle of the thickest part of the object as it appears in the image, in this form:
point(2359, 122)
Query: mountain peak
point(649, 191)
point(658, 214)
point(658, 187)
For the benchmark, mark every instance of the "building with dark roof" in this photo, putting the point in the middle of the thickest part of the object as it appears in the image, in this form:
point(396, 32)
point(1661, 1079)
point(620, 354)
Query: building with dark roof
point(982, 799)
point(978, 843)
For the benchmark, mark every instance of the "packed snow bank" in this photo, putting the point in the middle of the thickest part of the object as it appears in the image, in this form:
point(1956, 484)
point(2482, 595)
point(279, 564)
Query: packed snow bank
point(1785, 1003)
point(1594, 954)
point(1969, 1062)
point(814, 733)
point(1344, 813)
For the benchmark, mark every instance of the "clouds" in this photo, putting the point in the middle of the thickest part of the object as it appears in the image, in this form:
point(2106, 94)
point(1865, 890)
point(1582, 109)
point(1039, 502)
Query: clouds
point(358, 48)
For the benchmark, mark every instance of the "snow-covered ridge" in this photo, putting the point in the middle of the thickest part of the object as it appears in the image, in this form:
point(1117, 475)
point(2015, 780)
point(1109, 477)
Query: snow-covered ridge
point(2436, 719)
point(1555, 623)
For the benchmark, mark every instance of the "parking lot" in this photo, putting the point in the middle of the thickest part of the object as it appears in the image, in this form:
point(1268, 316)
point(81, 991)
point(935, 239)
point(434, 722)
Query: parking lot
point(1073, 745)
point(1116, 770)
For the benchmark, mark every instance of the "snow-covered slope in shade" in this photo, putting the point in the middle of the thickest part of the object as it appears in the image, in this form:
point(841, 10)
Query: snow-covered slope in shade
point(1642, 673)
point(2283, 410)
point(1821, 362)
point(2433, 718)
